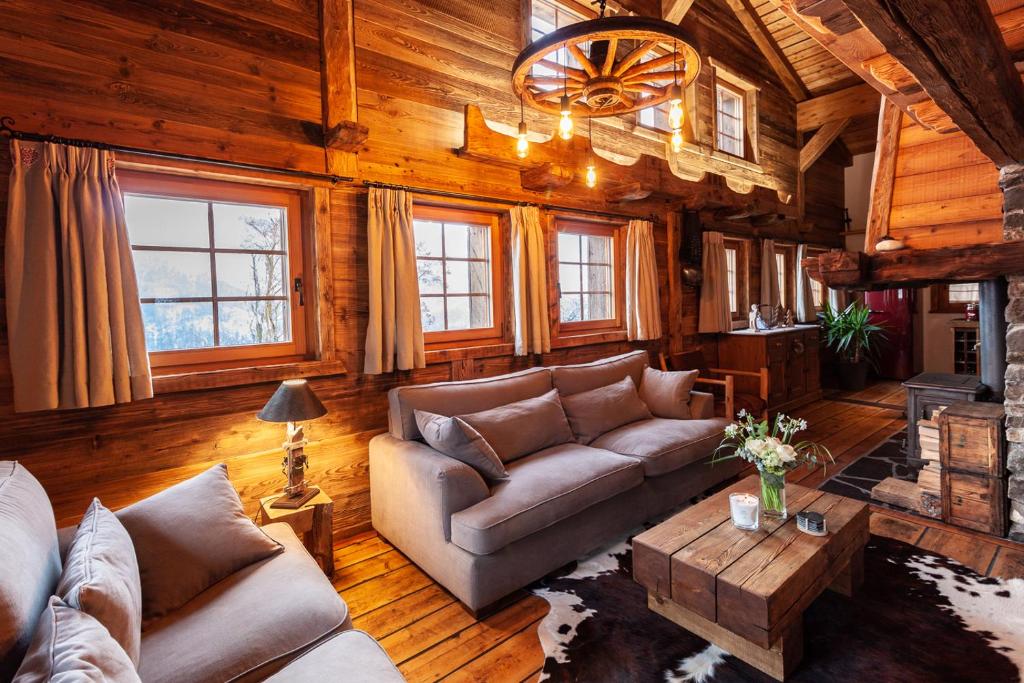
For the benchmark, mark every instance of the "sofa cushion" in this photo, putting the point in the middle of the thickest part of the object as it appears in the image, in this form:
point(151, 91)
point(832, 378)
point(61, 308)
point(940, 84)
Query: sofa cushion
point(357, 654)
point(543, 489)
point(249, 625)
point(101, 577)
point(592, 413)
point(665, 445)
point(457, 439)
point(523, 427)
point(29, 561)
point(573, 379)
point(667, 394)
point(190, 536)
point(456, 398)
point(70, 645)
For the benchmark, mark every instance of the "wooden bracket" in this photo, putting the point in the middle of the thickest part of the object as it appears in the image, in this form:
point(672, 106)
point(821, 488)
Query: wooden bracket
point(347, 136)
point(547, 176)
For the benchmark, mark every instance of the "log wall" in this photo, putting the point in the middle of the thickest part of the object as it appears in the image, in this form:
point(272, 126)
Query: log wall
point(241, 81)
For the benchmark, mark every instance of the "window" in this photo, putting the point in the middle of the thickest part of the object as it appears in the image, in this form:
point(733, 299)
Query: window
point(219, 267)
point(589, 276)
point(785, 261)
point(780, 269)
point(547, 16)
point(736, 258)
point(729, 120)
point(655, 118)
point(817, 289)
point(459, 275)
point(953, 298)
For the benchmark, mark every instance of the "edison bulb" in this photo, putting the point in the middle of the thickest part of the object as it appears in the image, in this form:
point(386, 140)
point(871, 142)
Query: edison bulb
point(677, 141)
point(565, 125)
point(591, 176)
point(522, 144)
point(675, 111)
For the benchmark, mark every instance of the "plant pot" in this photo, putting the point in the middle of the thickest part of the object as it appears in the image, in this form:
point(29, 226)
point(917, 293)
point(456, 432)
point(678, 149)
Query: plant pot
point(853, 376)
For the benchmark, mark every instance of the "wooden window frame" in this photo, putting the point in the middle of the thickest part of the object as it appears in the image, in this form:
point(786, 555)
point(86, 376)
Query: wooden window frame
point(788, 292)
point(939, 302)
point(579, 226)
point(748, 93)
point(477, 336)
point(174, 362)
point(740, 317)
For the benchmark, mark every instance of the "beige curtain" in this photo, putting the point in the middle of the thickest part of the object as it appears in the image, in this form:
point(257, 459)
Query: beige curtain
point(770, 295)
point(529, 282)
point(643, 312)
point(805, 312)
point(715, 311)
point(394, 334)
point(74, 320)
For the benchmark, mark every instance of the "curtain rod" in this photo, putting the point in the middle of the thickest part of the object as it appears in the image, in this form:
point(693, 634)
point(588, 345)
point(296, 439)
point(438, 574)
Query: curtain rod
point(499, 200)
point(6, 123)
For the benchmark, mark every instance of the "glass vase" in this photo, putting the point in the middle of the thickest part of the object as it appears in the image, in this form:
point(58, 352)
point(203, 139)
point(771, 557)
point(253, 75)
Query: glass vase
point(773, 495)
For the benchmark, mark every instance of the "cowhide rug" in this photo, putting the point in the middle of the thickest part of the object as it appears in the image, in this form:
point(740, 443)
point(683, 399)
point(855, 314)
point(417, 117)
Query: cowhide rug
point(918, 617)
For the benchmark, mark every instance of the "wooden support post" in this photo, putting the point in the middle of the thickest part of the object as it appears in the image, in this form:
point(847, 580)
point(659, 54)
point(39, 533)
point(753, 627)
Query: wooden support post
point(342, 132)
point(859, 100)
point(821, 141)
point(883, 176)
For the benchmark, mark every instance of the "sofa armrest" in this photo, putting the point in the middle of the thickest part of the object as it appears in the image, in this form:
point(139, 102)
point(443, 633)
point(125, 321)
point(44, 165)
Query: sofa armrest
point(702, 405)
point(415, 488)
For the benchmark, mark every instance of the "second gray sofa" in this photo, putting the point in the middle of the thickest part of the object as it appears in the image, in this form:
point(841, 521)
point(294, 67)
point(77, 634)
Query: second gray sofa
point(483, 541)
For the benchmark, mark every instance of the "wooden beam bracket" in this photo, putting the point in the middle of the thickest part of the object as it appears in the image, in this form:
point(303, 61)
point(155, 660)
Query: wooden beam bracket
point(347, 136)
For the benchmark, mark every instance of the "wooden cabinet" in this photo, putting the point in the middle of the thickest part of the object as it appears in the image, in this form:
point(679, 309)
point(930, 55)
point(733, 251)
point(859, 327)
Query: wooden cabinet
point(966, 347)
point(972, 449)
point(791, 356)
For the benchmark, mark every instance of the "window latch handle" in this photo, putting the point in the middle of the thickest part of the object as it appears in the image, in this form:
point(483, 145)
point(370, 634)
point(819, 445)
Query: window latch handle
point(301, 291)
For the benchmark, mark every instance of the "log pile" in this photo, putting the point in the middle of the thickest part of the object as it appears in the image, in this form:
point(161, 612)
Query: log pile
point(923, 496)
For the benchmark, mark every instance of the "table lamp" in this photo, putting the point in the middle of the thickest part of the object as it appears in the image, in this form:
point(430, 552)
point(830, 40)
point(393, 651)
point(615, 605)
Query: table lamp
point(293, 402)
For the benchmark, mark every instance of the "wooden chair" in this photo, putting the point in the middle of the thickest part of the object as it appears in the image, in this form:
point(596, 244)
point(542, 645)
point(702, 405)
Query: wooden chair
point(756, 404)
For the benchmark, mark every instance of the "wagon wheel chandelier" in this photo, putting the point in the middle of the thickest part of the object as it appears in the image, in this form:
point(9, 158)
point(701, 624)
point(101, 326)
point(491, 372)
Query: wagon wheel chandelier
point(605, 67)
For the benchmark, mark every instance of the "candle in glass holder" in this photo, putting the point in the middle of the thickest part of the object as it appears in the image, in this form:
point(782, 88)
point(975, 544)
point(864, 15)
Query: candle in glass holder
point(744, 510)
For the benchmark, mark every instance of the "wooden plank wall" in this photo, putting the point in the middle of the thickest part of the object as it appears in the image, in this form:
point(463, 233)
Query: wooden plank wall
point(946, 192)
point(240, 81)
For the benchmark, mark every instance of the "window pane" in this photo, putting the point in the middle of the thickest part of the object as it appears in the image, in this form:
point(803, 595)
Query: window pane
point(568, 247)
point(172, 274)
point(253, 322)
point(730, 260)
point(456, 240)
point(165, 222)
point(250, 275)
point(569, 277)
point(571, 306)
point(479, 277)
point(432, 313)
point(963, 293)
point(176, 326)
point(430, 278)
point(597, 307)
point(780, 263)
point(597, 278)
point(597, 249)
point(238, 226)
point(428, 238)
point(458, 313)
point(458, 277)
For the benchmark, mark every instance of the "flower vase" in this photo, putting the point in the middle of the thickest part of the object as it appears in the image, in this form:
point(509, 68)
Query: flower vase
point(773, 495)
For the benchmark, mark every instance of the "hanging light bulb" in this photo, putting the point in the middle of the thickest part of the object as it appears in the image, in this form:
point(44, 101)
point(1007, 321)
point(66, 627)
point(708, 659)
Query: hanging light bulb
point(565, 125)
point(676, 114)
point(677, 141)
point(591, 169)
point(522, 144)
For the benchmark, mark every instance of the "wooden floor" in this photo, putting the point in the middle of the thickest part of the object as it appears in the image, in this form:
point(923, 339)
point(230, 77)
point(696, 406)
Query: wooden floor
point(431, 637)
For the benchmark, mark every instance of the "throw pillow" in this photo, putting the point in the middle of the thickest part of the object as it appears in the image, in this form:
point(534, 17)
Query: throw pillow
point(523, 427)
point(599, 411)
point(70, 645)
point(189, 537)
point(101, 577)
point(667, 394)
point(454, 437)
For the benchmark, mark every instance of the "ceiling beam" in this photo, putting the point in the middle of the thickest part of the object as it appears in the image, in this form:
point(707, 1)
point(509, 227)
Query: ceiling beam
point(955, 50)
point(858, 100)
point(821, 141)
point(751, 21)
point(674, 10)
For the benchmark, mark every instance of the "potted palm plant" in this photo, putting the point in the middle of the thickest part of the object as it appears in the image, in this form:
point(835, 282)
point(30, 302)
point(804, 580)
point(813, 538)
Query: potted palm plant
point(850, 333)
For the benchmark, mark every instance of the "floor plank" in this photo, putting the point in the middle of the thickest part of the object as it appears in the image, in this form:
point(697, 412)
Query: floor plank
point(432, 637)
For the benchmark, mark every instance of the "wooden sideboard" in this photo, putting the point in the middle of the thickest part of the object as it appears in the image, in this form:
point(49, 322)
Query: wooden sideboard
point(792, 356)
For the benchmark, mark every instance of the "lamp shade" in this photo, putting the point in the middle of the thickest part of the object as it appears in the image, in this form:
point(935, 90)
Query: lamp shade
point(293, 401)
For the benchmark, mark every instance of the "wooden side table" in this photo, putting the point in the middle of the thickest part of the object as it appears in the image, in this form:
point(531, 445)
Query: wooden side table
point(313, 523)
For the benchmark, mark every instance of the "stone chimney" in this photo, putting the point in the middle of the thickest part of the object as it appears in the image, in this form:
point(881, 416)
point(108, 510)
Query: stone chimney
point(1011, 180)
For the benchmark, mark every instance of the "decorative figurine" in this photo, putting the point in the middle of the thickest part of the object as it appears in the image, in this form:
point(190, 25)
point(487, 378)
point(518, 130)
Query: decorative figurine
point(294, 464)
point(789, 318)
point(754, 317)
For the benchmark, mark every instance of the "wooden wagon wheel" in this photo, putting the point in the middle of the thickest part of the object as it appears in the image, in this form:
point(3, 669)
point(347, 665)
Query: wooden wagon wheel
point(625, 63)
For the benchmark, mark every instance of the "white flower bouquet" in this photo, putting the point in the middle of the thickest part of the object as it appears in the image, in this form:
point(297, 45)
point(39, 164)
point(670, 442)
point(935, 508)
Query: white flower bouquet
point(772, 449)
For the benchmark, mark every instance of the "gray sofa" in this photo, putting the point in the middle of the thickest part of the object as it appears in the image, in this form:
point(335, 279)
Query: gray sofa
point(482, 542)
point(246, 627)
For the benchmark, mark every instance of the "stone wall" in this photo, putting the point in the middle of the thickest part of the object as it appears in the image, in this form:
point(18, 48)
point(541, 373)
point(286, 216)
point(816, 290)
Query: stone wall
point(1011, 180)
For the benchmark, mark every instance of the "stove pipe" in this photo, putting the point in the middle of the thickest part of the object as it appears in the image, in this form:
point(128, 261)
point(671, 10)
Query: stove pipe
point(992, 297)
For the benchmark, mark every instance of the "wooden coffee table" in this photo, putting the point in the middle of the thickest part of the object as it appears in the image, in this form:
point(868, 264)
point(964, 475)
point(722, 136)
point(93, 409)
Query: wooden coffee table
point(746, 591)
